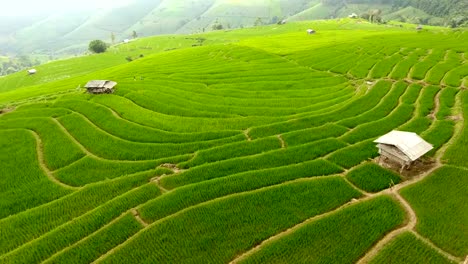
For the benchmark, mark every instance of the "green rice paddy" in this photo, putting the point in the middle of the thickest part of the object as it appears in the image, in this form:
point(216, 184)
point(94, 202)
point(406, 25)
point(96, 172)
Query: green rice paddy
point(256, 147)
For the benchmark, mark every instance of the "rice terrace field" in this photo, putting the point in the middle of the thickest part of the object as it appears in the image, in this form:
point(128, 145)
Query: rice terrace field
point(244, 146)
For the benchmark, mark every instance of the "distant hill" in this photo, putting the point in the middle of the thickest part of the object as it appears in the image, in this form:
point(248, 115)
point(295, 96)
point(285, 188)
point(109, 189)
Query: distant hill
point(69, 33)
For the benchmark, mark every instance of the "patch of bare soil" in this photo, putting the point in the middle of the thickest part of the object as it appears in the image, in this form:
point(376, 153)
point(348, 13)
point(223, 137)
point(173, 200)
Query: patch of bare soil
point(455, 118)
point(7, 110)
point(418, 168)
point(172, 167)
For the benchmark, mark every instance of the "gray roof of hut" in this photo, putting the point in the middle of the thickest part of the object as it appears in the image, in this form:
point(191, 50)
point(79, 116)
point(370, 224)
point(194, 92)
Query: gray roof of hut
point(409, 143)
point(101, 84)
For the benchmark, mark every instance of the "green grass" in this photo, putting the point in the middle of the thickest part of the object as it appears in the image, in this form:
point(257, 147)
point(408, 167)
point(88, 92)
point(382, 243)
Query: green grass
point(270, 159)
point(23, 184)
point(260, 120)
point(193, 194)
point(407, 248)
point(252, 218)
point(455, 153)
point(323, 240)
point(28, 225)
point(371, 177)
point(439, 202)
point(89, 249)
point(75, 230)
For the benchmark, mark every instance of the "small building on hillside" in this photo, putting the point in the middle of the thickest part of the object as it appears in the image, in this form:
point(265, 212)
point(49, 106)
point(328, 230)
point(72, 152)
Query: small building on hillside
point(32, 71)
point(402, 148)
point(310, 31)
point(100, 87)
point(353, 15)
point(419, 28)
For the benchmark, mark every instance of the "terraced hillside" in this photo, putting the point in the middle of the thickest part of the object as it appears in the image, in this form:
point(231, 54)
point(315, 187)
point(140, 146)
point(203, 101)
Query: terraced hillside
point(253, 148)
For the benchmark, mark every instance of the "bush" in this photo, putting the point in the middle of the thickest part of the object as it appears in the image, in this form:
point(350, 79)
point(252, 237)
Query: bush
point(97, 46)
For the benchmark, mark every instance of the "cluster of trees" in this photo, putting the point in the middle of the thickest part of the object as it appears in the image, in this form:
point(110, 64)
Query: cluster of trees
point(9, 65)
point(454, 11)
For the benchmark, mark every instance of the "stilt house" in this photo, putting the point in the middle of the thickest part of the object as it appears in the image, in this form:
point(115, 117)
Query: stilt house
point(402, 148)
point(100, 86)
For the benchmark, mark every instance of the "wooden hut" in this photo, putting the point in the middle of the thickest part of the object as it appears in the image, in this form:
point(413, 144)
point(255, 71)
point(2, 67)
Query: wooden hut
point(310, 31)
point(32, 71)
point(100, 86)
point(402, 148)
point(419, 28)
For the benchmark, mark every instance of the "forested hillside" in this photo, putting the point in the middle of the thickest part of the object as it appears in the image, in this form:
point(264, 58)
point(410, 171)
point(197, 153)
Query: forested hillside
point(68, 33)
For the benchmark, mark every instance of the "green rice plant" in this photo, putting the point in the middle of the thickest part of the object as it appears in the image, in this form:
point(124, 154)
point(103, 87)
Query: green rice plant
point(23, 184)
point(455, 77)
point(137, 114)
point(193, 194)
point(325, 241)
point(447, 101)
point(417, 125)
point(384, 67)
point(456, 153)
point(312, 134)
point(89, 169)
point(353, 155)
point(358, 106)
point(399, 116)
point(412, 93)
point(440, 134)
point(426, 102)
point(28, 225)
point(437, 73)
point(362, 68)
point(387, 104)
point(45, 246)
point(233, 150)
point(193, 104)
point(420, 69)
point(39, 112)
point(270, 159)
point(104, 118)
point(370, 177)
point(92, 247)
point(407, 248)
point(209, 233)
point(104, 144)
point(59, 150)
point(440, 204)
point(402, 69)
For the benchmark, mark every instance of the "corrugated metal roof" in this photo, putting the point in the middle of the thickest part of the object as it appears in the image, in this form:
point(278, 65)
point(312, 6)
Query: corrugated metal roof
point(409, 143)
point(100, 84)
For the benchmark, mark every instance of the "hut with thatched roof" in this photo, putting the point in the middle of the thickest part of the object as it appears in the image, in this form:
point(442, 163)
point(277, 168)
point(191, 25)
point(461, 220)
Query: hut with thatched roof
point(100, 86)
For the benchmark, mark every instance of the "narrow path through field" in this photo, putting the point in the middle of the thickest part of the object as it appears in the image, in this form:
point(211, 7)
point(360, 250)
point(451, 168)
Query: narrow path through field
point(42, 164)
point(200, 205)
point(436, 106)
point(157, 180)
point(283, 143)
point(246, 133)
point(136, 214)
point(295, 228)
